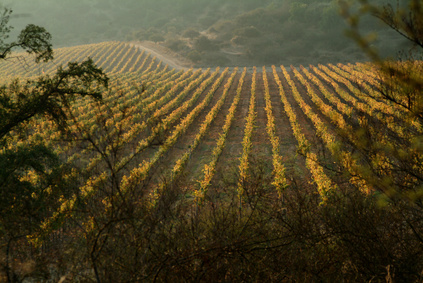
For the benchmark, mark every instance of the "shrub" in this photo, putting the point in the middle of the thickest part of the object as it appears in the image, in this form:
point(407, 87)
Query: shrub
point(175, 44)
point(191, 33)
point(250, 31)
point(204, 44)
point(194, 56)
point(156, 37)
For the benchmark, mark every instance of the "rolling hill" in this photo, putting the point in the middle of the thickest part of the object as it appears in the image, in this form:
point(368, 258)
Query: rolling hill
point(273, 173)
point(200, 123)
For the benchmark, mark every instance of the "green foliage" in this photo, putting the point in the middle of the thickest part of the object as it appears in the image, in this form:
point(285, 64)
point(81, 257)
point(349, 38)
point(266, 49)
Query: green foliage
point(33, 39)
point(330, 18)
point(190, 33)
point(194, 56)
point(49, 96)
point(175, 44)
point(156, 38)
point(29, 181)
point(4, 27)
point(250, 32)
point(262, 238)
point(400, 84)
point(32, 176)
point(407, 21)
point(298, 11)
point(202, 43)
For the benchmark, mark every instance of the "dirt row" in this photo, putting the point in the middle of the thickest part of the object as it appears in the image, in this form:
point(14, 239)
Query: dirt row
point(261, 154)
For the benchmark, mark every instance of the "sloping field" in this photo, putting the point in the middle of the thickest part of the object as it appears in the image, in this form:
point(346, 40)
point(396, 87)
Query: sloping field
point(212, 128)
point(113, 57)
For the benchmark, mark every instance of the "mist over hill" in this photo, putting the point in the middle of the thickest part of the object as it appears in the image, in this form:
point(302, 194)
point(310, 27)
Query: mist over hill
point(210, 33)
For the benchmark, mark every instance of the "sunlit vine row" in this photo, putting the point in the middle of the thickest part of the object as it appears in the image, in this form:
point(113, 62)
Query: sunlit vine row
point(172, 103)
point(129, 99)
point(209, 169)
point(110, 56)
point(323, 182)
point(388, 118)
point(346, 130)
point(127, 60)
point(138, 103)
point(386, 157)
point(163, 93)
point(180, 164)
point(370, 109)
point(132, 127)
point(246, 142)
point(121, 56)
point(133, 59)
point(134, 67)
point(137, 123)
point(172, 117)
point(81, 53)
point(86, 191)
point(334, 116)
point(139, 173)
point(150, 66)
point(280, 181)
point(345, 158)
point(369, 99)
point(103, 54)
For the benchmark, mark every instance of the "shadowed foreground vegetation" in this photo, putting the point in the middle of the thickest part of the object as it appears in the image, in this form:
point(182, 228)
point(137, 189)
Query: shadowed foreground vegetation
point(264, 238)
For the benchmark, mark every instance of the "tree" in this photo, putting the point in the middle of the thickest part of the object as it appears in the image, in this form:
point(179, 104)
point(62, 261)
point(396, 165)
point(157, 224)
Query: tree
point(31, 173)
point(398, 174)
point(33, 39)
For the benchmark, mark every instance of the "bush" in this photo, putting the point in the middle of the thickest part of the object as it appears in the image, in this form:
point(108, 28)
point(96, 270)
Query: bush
point(260, 237)
point(204, 44)
point(215, 59)
point(194, 56)
point(175, 44)
point(248, 32)
point(156, 37)
point(191, 33)
point(239, 40)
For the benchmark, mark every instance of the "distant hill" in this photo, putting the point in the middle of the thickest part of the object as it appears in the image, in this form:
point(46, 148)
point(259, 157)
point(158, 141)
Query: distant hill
point(210, 33)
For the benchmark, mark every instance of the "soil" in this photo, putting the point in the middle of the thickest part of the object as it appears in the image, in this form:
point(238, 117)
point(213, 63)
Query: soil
point(164, 54)
point(174, 60)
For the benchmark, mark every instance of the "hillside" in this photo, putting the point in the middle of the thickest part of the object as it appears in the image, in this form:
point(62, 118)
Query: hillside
point(193, 122)
point(212, 33)
point(217, 175)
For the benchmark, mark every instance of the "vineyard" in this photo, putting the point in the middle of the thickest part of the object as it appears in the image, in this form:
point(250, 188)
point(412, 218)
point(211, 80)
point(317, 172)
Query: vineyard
point(160, 124)
point(226, 174)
